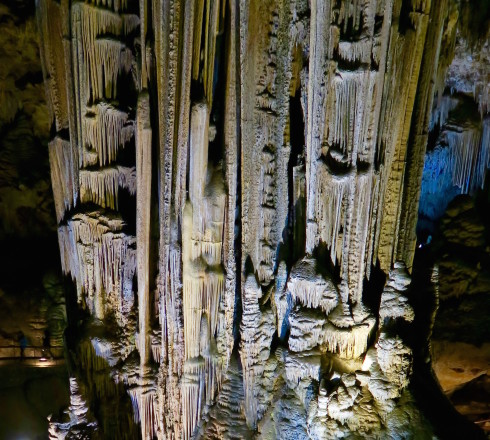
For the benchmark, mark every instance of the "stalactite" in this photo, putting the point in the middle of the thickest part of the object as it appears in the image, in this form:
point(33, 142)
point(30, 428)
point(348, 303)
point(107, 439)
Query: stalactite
point(352, 91)
point(356, 253)
point(437, 182)
point(483, 162)
point(440, 114)
point(349, 342)
point(301, 366)
point(116, 5)
point(201, 294)
point(258, 224)
point(192, 395)
point(51, 26)
point(103, 58)
point(350, 9)
point(145, 410)
point(356, 51)
point(464, 148)
point(457, 166)
point(310, 288)
point(64, 176)
point(102, 186)
point(330, 200)
point(106, 130)
point(99, 258)
point(143, 206)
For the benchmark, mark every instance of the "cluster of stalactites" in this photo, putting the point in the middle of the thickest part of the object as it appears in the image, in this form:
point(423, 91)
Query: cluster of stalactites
point(340, 169)
point(343, 207)
point(351, 115)
point(103, 59)
point(444, 105)
point(350, 10)
point(105, 129)
point(325, 318)
point(461, 162)
point(101, 259)
point(319, 320)
point(464, 152)
point(78, 416)
point(102, 186)
point(145, 410)
point(116, 5)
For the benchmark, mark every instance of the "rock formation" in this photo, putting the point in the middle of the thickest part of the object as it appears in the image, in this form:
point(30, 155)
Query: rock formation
point(232, 179)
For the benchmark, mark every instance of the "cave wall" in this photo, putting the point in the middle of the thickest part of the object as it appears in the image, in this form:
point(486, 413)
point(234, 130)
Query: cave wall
point(30, 304)
point(232, 180)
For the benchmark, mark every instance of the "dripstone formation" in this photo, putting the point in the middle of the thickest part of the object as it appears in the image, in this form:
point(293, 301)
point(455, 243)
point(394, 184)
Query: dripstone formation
point(236, 184)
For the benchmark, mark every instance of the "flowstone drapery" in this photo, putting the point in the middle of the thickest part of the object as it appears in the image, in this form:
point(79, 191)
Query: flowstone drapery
point(228, 175)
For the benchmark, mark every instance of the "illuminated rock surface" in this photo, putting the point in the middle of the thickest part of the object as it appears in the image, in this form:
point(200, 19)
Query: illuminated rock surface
point(237, 186)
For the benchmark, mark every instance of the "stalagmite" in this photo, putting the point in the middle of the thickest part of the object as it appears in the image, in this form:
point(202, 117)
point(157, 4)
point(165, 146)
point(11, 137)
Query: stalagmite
point(226, 418)
point(78, 413)
point(394, 303)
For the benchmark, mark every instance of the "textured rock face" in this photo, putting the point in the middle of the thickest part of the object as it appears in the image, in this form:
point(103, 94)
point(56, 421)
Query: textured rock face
point(226, 175)
point(461, 276)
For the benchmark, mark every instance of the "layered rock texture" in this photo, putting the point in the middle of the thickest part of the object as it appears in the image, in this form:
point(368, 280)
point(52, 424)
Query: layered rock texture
point(236, 185)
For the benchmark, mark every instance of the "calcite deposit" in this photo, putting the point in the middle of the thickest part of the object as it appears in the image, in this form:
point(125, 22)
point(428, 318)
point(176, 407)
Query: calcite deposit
point(232, 179)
